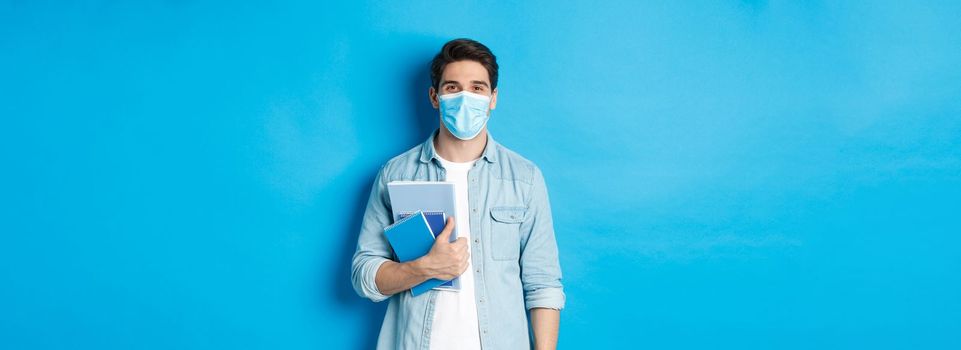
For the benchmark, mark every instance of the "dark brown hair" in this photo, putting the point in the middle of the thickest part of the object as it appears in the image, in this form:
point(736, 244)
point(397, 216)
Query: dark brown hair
point(463, 50)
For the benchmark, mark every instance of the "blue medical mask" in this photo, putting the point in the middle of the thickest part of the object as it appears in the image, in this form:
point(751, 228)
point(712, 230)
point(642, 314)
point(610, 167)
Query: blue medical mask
point(464, 113)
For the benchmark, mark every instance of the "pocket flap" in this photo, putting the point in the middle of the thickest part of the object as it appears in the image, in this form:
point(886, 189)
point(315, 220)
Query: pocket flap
point(510, 215)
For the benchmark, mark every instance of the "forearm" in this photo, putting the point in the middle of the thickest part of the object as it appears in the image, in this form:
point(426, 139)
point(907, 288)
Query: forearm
point(394, 277)
point(545, 323)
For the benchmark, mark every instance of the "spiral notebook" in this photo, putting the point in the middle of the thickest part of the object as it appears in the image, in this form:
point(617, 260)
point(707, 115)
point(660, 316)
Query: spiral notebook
point(410, 238)
point(436, 220)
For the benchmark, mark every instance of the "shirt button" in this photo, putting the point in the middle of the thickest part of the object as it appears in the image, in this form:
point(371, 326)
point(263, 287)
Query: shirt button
point(475, 210)
point(476, 240)
point(482, 300)
point(478, 270)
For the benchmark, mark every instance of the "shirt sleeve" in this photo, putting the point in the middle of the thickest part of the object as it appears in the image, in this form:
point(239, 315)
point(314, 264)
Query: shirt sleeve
point(540, 268)
point(373, 249)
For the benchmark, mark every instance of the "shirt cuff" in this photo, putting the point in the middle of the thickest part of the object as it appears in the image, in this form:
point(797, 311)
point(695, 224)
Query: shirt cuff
point(551, 298)
point(370, 284)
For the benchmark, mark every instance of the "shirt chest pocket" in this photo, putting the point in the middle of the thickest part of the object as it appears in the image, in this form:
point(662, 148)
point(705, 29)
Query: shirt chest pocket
point(506, 232)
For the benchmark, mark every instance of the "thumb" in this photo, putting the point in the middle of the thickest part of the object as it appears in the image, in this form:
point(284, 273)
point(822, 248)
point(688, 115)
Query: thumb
point(444, 235)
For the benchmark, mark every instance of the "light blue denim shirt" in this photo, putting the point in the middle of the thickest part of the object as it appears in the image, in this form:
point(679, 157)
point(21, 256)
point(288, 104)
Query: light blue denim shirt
point(513, 250)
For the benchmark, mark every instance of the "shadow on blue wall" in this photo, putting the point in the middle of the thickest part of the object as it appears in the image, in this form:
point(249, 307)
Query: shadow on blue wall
point(419, 112)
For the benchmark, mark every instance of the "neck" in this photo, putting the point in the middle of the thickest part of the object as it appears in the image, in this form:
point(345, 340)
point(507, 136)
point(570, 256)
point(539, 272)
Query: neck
point(457, 150)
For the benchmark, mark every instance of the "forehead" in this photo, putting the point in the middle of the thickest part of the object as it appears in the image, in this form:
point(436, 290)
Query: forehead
point(465, 71)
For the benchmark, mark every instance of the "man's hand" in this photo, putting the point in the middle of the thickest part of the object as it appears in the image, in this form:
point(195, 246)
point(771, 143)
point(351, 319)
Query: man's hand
point(446, 260)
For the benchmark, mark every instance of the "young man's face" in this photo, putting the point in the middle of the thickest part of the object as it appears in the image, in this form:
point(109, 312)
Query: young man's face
point(464, 76)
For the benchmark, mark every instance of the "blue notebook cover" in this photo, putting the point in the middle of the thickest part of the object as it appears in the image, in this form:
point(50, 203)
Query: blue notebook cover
point(411, 238)
point(436, 220)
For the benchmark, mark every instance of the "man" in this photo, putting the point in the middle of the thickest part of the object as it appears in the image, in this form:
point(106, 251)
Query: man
point(505, 254)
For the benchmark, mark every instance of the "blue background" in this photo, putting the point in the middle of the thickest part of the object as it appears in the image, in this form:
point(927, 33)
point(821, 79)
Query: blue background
point(723, 174)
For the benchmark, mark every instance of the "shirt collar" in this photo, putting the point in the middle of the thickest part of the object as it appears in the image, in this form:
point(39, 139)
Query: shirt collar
point(428, 153)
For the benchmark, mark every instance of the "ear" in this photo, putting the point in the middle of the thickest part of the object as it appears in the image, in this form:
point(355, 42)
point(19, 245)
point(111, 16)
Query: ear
point(493, 99)
point(432, 95)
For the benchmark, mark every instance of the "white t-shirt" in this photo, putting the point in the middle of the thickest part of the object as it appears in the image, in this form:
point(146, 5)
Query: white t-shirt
point(455, 313)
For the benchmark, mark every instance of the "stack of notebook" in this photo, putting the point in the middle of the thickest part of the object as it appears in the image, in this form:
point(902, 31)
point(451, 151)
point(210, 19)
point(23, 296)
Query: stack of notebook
point(412, 237)
point(435, 201)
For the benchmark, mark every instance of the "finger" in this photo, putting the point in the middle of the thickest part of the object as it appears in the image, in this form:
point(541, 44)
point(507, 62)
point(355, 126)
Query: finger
point(444, 235)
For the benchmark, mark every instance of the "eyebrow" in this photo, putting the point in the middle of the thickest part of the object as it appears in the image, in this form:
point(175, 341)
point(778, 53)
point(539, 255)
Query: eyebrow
point(477, 82)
